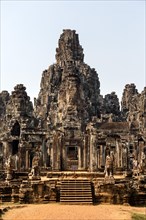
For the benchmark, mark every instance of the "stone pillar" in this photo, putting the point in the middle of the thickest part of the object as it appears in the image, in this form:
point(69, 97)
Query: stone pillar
point(64, 158)
point(6, 149)
point(98, 158)
point(51, 156)
point(44, 151)
point(93, 159)
point(27, 160)
point(91, 153)
point(102, 155)
point(79, 158)
point(84, 154)
point(59, 153)
point(140, 147)
point(117, 155)
point(22, 159)
point(121, 161)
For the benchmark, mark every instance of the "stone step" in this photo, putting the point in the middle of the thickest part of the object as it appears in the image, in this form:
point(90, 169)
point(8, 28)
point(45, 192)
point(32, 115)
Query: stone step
point(76, 195)
point(76, 200)
point(75, 183)
point(6, 198)
point(76, 203)
point(76, 187)
point(76, 192)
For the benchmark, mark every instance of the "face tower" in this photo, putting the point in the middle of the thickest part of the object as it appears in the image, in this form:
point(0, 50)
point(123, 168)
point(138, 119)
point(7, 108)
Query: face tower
point(69, 95)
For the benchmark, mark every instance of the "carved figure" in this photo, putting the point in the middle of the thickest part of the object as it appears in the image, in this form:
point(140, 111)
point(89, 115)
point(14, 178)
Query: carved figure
point(125, 157)
point(35, 166)
point(143, 161)
point(8, 163)
point(9, 167)
point(109, 165)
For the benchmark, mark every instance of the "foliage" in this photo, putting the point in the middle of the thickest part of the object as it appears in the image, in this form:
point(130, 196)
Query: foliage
point(136, 216)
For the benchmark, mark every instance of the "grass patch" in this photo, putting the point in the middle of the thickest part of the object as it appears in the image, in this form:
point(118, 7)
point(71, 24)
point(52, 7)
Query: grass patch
point(136, 216)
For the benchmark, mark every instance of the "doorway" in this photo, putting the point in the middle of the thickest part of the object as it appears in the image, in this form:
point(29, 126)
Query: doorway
point(72, 158)
point(72, 153)
point(15, 144)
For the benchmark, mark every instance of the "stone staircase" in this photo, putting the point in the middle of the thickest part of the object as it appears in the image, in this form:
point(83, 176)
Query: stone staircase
point(5, 194)
point(76, 191)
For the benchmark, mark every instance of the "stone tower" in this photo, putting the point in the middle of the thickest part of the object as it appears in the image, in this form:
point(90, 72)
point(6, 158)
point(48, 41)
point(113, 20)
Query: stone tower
point(69, 94)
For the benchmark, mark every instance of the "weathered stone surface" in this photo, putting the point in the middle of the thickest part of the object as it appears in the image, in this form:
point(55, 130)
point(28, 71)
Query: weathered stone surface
point(69, 50)
point(19, 103)
point(72, 127)
point(70, 88)
point(111, 104)
point(134, 107)
point(18, 112)
point(4, 98)
point(129, 93)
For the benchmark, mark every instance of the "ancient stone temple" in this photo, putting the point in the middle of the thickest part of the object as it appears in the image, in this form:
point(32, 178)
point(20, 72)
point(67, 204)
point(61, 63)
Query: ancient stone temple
point(71, 127)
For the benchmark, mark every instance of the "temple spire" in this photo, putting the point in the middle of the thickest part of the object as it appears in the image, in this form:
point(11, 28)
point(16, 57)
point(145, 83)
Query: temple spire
point(69, 50)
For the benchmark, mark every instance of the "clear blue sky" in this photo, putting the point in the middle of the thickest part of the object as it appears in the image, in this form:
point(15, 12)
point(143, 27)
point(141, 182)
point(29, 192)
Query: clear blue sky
point(112, 34)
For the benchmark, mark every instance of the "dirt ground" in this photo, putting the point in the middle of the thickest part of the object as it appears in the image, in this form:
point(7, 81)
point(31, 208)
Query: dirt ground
point(72, 212)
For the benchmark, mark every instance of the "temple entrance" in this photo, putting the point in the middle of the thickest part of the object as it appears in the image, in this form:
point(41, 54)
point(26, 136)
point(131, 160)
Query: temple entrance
point(72, 158)
point(15, 147)
point(72, 153)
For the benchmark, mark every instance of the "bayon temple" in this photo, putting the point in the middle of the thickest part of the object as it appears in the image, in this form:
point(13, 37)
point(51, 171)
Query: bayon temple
point(72, 137)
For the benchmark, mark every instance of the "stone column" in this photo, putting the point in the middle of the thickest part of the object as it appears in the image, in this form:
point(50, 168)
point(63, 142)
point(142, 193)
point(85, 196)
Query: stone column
point(64, 158)
point(102, 155)
point(84, 155)
point(91, 152)
point(44, 152)
point(27, 160)
point(51, 156)
point(117, 157)
point(58, 153)
point(121, 161)
point(79, 158)
point(93, 162)
point(98, 158)
point(6, 149)
point(88, 151)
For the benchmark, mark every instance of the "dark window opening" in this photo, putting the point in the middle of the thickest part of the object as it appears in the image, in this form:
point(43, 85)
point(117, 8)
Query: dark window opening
point(131, 149)
point(144, 150)
point(72, 153)
point(15, 147)
point(16, 129)
point(48, 161)
point(1, 148)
